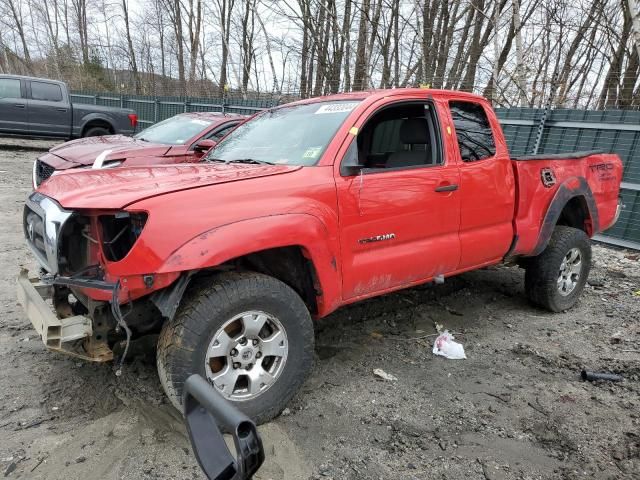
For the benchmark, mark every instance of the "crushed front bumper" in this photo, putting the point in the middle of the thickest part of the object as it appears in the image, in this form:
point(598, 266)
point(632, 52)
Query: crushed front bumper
point(71, 335)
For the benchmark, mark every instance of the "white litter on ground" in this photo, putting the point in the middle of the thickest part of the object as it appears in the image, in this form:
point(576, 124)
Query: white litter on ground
point(378, 372)
point(446, 347)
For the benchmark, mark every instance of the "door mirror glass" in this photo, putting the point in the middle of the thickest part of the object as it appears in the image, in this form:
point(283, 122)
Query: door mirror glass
point(204, 145)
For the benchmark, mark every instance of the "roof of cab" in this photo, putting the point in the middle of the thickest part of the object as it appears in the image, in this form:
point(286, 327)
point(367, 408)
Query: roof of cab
point(388, 92)
point(23, 77)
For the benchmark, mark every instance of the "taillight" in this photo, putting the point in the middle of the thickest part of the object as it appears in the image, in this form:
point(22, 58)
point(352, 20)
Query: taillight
point(133, 119)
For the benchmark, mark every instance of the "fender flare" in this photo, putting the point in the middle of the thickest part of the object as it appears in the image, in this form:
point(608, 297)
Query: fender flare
point(90, 117)
point(226, 242)
point(571, 188)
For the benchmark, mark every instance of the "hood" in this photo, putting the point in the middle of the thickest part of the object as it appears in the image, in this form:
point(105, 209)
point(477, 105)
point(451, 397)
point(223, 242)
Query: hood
point(84, 151)
point(115, 188)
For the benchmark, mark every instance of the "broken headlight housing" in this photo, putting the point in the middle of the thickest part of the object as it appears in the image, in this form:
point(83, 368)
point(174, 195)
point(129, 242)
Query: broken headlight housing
point(120, 231)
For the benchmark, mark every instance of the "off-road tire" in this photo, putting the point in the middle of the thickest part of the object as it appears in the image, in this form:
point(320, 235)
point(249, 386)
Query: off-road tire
point(541, 277)
point(207, 305)
point(96, 132)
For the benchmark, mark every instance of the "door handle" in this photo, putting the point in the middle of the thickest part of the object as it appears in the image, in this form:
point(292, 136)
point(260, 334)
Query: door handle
point(447, 188)
point(19, 105)
point(61, 109)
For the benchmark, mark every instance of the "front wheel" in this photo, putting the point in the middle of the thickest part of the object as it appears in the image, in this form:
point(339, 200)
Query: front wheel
point(555, 279)
point(249, 334)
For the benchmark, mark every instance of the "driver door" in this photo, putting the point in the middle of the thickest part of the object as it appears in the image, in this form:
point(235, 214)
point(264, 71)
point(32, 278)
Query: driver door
point(399, 223)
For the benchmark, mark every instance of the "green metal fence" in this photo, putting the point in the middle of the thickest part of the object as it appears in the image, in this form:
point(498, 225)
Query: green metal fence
point(151, 109)
point(615, 131)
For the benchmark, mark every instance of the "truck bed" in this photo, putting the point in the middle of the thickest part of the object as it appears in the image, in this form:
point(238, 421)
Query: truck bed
point(546, 183)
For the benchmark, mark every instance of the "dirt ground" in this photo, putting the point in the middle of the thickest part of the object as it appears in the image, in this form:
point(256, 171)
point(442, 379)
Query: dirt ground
point(514, 409)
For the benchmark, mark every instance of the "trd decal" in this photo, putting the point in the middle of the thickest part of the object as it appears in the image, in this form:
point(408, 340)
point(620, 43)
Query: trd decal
point(601, 166)
point(603, 170)
point(377, 238)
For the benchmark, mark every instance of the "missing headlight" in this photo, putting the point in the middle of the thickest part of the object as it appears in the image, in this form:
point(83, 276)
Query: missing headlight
point(120, 232)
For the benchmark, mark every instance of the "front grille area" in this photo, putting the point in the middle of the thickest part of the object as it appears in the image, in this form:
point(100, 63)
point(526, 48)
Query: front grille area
point(42, 172)
point(34, 229)
point(43, 221)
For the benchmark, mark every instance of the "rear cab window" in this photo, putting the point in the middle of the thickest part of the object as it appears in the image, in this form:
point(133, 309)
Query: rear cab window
point(47, 92)
point(473, 131)
point(10, 88)
point(176, 130)
point(218, 134)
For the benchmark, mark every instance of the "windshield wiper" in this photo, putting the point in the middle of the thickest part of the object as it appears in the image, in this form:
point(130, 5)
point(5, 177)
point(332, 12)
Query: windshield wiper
point(250, 160)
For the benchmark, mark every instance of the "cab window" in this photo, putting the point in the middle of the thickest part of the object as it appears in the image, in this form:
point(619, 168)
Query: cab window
point(399, 136)
point(473, 131)
point(47, 92)
point(10, 88)
point(218, 134)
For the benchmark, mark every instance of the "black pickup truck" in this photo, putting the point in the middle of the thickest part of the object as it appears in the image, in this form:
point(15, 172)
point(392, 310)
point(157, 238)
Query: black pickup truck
point(37, 107)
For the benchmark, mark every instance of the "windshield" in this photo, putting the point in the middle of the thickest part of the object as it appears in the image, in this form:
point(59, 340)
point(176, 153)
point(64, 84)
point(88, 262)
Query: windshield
point(174, 131)
point(296, 135)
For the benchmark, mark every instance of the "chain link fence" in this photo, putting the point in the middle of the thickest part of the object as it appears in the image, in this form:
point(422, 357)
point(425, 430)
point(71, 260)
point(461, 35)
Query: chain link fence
point(564, 131)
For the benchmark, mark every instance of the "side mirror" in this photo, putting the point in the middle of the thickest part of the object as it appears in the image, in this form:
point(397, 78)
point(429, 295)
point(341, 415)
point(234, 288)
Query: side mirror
point(204, 145)
point(205, 412)
point(351, 162)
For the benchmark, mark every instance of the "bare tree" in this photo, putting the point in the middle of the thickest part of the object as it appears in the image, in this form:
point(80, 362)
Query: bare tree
point(14, 8)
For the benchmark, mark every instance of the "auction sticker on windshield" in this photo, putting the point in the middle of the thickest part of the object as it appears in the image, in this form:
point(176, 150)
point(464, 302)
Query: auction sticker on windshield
point(312, 152)
point(339, 107)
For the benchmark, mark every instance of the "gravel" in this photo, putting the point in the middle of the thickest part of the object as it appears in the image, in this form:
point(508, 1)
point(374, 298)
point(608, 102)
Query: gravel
point(516, 408)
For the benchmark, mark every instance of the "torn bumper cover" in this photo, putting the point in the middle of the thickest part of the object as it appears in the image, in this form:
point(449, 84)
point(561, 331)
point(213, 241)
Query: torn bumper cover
point(71, 335)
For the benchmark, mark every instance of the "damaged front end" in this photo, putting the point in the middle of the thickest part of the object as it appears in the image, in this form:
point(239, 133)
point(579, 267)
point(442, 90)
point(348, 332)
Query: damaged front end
point(75, 305)
point(61, 331)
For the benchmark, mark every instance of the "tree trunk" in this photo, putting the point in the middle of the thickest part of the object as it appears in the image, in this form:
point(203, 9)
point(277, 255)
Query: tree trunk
point(177, 8)
point(195, 24)
point(522, 85)
point(17, 17)
point(132, 53)
point(360, 72)
point(634, 12)
point(248, 25)
point(304, 54)
point(474, 51)
point(226, 7)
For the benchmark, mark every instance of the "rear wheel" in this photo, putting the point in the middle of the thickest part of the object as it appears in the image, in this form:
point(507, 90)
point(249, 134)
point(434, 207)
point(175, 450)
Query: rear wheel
point(96, 132)
point(555, 278)
point(249, 334)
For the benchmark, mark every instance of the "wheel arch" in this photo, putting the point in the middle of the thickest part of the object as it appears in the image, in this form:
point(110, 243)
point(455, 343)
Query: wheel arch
point(91, 121)
point(573, 205)
point(294, 248)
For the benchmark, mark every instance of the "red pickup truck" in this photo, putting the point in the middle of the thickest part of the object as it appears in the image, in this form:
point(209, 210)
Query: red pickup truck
point(305, 208)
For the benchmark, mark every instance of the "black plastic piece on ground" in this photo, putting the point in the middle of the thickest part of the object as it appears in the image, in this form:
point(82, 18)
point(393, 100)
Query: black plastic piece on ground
point(593, 376)
point(205, 411)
